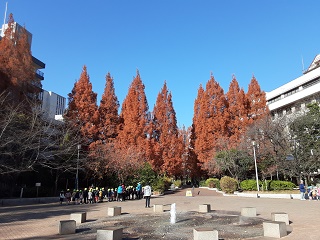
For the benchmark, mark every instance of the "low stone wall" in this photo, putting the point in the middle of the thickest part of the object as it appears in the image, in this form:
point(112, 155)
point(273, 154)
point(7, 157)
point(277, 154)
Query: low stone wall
point(28, 201)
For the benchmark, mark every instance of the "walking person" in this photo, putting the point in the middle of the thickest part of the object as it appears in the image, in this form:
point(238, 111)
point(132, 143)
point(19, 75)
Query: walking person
point(147, 194)
point(302, 190)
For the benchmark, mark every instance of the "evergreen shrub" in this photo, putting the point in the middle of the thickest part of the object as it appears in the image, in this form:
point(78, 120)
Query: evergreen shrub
point(249, 185)
point(228, 184)
point(177, 183)
point(212, 183)
point(281, 185)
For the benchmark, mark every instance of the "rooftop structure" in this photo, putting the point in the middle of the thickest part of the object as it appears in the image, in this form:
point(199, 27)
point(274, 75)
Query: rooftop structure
point(294, 96)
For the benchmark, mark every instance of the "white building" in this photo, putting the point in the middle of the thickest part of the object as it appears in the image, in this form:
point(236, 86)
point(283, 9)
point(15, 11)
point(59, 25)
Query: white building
point(294, 96)
point(53, 105)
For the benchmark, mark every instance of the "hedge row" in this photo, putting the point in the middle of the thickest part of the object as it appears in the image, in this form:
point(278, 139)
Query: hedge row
point(228, 184)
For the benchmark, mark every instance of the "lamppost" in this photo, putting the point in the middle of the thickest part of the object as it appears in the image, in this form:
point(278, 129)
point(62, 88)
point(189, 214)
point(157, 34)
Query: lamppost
point(255, 164)
point(77, 174)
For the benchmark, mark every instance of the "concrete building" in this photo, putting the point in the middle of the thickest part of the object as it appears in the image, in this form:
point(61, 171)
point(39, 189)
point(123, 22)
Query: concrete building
point(293, 97)
point(53, 105)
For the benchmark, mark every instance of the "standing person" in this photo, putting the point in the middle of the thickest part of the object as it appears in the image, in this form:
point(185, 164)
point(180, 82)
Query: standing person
point(62, 197)
point(68, 196)
point(119, 193)
point(147, 194)
point(139, 190)
point(90, 196)
point(302, 190)
point(85, 195)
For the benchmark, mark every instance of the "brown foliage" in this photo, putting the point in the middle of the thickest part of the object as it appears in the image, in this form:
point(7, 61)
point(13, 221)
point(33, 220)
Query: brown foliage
point(210, 121)
point(167, 142)
point(107, 158)
point(108, 112)
point(82, 109)
point(17, 73)
point(257, 101)
point(221, 119)
point(238, 111)
point(134, 117)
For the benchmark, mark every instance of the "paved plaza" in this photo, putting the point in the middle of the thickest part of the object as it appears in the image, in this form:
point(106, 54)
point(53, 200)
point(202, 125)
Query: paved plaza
point(40, 221)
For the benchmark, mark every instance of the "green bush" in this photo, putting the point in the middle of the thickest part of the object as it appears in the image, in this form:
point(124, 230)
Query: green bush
point(177, 183)
point(281, 185)
point(161, 184)
point(249, 185)
point(228, 184)
point(212, 183)
point(202, 183)
point(268, 185)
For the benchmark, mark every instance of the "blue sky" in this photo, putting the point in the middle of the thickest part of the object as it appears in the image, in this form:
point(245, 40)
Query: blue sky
point(178, 41)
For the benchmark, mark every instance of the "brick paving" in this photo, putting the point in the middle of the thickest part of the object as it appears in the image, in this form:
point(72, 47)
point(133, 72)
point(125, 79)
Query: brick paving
point(40, 221)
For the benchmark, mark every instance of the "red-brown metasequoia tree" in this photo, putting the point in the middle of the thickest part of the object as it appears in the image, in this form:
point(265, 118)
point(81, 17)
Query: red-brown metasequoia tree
point(257, 101)
point(82, 109)
point(220, 120)
point(168, 145)
point(17, 73)
point(134, 118)
point(108, 112)
point(209, 123)
point(238, 111)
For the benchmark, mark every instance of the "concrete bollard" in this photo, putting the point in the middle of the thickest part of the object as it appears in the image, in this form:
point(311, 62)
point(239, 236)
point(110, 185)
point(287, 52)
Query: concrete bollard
point(67, 227)
point(114, 211)
point(79, 217)
point(111, 233)
point(204, 208)
point(249, 212)
point(274, 229)
point(158, 208)
point(205, 234)
point(280, 217)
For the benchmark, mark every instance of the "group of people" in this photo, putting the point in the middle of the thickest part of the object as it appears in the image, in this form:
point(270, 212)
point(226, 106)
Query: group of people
point(95, 195)
point(311, 192)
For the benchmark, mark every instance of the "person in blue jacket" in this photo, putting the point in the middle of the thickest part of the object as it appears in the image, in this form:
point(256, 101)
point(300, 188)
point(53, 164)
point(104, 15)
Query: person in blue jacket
point(302, 190)
point(119, 193)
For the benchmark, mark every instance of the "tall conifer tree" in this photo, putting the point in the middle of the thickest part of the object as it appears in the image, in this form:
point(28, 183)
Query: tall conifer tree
point(209, 123)
point(257, 101)
point(168, 141)
point(82, 109)
point(108, 112)
point(238, 111)
point(134, 117)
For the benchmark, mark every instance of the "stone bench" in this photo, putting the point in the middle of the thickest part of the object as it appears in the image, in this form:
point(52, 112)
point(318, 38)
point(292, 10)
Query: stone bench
point(114, 211)
point(158, 208)
point(111, 233)
point(248, 212)
point(274, 229)
point(67, 227)
point(79, 217)
point(204, 208)
point(280, 217)
point(205, 234)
